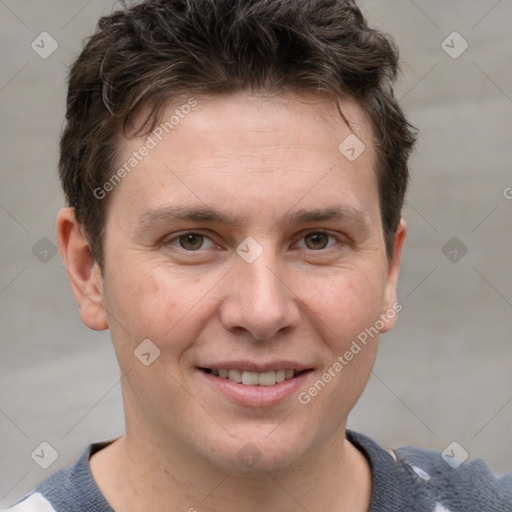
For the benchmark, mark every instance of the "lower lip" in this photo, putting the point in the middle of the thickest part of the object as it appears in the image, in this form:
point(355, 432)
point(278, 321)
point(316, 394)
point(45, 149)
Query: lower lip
point(257, 396)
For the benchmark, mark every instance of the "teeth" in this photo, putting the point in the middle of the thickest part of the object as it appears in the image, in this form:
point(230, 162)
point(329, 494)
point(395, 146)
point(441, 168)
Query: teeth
point(235, 375)
point(280, 375)
point(250, 378)
point(254, 378)
point(267, 378)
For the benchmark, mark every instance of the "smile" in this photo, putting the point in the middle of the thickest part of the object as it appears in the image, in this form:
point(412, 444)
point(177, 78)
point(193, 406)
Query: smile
point(251, 378)
point(250, 383)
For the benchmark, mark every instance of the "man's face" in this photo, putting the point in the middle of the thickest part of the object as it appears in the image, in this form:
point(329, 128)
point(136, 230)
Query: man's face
point(287, 278)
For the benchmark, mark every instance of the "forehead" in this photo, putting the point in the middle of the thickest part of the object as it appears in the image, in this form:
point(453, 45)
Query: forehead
point(275, 149)
point(257, 118)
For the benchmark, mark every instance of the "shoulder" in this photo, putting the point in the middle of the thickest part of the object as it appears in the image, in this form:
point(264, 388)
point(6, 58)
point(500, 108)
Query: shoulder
point(34, 502)
point(69, 490)
point(462, 484)
point(411, 478)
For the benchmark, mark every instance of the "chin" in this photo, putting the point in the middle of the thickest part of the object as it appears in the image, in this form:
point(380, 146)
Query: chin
point(253, 454)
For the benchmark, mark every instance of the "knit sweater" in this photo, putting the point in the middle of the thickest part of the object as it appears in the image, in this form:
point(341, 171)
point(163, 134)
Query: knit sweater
point(407, 479)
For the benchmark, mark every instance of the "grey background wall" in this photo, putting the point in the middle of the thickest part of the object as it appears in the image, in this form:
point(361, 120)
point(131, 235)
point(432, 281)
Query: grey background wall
point(443, 374)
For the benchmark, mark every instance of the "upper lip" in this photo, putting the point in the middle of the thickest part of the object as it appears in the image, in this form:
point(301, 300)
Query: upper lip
point(251, 366)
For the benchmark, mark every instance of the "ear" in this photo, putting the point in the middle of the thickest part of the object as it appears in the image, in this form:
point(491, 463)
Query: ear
point(83, 271)
point(391, 306)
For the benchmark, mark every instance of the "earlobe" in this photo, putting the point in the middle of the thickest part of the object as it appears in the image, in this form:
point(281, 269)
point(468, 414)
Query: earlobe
point(83, 271)
point(391, 306)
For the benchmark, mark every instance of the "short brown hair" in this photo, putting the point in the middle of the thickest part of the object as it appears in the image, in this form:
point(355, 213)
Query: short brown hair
point(157, 51)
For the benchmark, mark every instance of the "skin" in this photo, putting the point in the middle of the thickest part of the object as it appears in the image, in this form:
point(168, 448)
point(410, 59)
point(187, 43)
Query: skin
point(256, 158)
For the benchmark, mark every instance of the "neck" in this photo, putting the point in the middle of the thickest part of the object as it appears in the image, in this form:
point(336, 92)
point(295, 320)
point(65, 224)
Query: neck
point(134, 474)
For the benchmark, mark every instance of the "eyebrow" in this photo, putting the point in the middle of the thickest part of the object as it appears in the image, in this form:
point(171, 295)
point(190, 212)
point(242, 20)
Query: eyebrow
point(177, 213)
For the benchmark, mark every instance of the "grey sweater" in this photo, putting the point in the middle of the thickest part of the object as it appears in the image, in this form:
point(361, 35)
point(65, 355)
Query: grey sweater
point(407, 479)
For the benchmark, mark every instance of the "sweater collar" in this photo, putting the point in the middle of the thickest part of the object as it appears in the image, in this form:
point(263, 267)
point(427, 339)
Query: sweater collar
point(389, 476)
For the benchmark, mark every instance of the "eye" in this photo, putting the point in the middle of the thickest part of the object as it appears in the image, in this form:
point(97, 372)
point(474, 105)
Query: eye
point(190, 241)
point(318, 240)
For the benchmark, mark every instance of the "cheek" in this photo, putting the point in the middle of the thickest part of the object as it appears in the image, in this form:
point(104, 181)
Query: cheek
point(346, 313)
point(156, 303)
point(347, 306)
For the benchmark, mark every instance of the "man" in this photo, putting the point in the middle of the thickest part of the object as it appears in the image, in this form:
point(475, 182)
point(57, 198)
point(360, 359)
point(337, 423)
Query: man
point(235, 172)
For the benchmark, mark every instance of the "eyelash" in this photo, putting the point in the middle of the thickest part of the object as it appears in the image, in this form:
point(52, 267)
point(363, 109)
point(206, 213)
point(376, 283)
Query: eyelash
point(176, 238)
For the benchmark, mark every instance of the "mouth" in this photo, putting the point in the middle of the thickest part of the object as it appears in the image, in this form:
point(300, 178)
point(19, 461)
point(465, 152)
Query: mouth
point(253, 378)
point(255, 384)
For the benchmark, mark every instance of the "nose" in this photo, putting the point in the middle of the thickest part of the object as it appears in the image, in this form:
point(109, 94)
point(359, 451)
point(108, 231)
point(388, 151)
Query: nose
point(260, 301)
